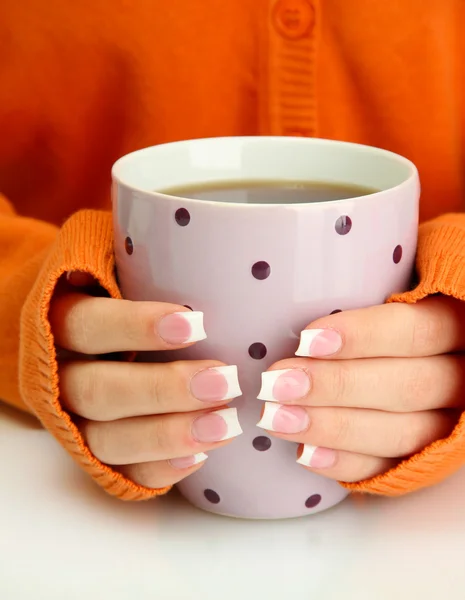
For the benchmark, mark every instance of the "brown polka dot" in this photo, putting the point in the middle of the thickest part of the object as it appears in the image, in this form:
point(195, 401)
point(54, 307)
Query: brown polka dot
point(129, 246)
point(313, 501)
point(211, 496)
point(182, 217)
point(261, 270)
point(397, 254)
point(343, 225)
point(257, 351)
point(262, 443)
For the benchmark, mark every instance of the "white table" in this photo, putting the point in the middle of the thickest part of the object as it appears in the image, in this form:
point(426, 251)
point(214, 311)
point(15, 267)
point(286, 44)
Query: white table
point(63, 538)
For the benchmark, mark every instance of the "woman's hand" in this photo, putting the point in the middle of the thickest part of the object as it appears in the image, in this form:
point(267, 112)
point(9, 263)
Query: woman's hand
point(153, 422)
point(379, 385)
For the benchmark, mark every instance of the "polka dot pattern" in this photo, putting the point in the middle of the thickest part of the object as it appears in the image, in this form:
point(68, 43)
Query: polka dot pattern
point(261, 270)
point(313, 501)
point(258, 290)
point(257, 351)
point(182, 217)
point(262, 443)
point(128, 246)
point(397, 254)
point(343, 225)
point(212, 496)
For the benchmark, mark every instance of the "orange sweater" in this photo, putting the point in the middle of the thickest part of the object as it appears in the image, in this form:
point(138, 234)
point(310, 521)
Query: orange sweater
point(82, 83)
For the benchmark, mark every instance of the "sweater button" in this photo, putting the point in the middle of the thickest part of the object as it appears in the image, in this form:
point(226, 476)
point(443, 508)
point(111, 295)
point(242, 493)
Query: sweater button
point(293, 19)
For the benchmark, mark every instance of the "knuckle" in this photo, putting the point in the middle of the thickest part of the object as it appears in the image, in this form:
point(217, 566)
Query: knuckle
point(342, 382)
point(425, 334)
point(79, 327)
point(87, 392)
point(130, 314)
point(406, 437)
point(415, 386)
point(154, 386)
point(161, 437)
point(340, 427)
point(158, 383)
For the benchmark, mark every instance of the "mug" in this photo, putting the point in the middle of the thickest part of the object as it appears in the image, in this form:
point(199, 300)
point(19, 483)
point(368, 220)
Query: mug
point(260, 273)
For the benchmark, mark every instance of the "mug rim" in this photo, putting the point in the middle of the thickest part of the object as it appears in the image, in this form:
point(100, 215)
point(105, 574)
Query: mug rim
point(119, 180)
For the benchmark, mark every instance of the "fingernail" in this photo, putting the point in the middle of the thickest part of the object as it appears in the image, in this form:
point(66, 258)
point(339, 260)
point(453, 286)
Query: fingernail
point(217, 426)
point(182, 327)
point(319, 342)
point(185, 462)
point(284, 385)
point(216, 384)
point(284, 419)
point(316, 457)
point(79, 278)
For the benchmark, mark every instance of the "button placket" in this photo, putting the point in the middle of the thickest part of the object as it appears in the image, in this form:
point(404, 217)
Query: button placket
point(290, 85)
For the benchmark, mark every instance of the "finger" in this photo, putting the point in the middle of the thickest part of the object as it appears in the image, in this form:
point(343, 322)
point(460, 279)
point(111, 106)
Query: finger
point(343, 466)
point(435, 325)
point(364, 431)
point(391, 384)
point(148, 439)
point(164, 473)
point(80, 279)
point(106, 391)
point(101, 325)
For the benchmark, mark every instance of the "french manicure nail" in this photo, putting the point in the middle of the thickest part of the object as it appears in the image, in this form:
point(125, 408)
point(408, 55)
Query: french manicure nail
point(316, 457)
point(185, 462)
point(217, 426)
point(284, 385)
point(317, 343)
point(216, 384)
point(182, 327)
point(284, 419)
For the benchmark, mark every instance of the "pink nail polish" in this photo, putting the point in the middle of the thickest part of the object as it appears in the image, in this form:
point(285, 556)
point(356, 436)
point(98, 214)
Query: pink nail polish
point(286, 385)
point(284, 419)
point(317, 458)
point(216, 426)
point(182, 327)
point(216, 384)
point(185, 462)
point(318, 343)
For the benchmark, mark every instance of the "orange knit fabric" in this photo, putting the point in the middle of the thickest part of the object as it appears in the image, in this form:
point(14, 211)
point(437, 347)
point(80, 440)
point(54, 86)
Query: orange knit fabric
point(83, 83)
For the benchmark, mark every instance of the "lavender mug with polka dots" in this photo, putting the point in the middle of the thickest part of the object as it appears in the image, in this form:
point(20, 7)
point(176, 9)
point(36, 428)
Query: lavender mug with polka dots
point(260, 273)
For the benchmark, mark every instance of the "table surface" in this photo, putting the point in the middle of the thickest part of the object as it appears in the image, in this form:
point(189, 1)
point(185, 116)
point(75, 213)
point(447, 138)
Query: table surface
point(62, 537)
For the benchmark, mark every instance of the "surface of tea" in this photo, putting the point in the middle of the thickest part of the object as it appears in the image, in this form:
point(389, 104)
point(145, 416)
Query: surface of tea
point(269, 191)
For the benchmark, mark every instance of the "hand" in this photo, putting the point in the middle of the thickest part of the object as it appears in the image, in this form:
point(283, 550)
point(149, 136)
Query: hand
point(379, 386)
point(153, 422)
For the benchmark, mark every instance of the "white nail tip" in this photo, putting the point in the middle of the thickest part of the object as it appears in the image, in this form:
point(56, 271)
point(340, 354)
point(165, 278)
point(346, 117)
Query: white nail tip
point(200, 457)
point(195, 319)
point(233, 426)
point(306, 338)
point(306, 455)
point(266, 422)
point(269, 378)
point(232, 378)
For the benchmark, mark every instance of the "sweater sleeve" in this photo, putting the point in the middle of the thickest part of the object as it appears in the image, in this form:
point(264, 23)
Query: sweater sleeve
point(24, 244)
point(84, 243)
point(441, 270)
